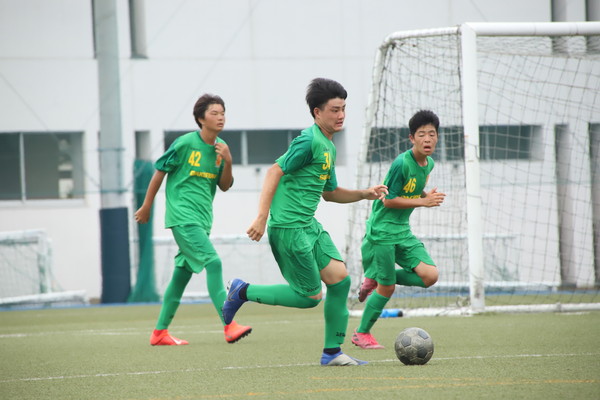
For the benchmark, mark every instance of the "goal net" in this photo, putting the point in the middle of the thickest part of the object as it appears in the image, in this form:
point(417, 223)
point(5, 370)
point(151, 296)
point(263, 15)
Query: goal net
point(26, 272)
point(518, 157)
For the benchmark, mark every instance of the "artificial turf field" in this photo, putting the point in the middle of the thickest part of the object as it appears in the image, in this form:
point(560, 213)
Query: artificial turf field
point(102, 352)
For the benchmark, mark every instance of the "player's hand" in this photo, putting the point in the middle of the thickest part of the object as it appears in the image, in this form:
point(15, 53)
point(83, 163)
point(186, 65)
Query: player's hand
point(142, 215)
point(376, 192)
point(257, 229)
point(223, 150)
point(433, 198)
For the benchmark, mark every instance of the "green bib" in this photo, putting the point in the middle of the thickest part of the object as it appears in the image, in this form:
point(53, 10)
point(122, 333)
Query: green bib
point(193, 171)
point(309, 169)
point(405, 178)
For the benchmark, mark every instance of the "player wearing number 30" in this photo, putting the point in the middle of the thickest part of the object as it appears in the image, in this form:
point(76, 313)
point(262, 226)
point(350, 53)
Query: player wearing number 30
point(195, 164)
point(389, 240)
point(304, 251)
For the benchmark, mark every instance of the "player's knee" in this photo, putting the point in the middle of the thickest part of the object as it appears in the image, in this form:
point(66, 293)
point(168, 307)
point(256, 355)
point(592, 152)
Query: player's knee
point(313, 301)
point(344, 284)
point(431, 277)
point(214, 265)
point(386, 290)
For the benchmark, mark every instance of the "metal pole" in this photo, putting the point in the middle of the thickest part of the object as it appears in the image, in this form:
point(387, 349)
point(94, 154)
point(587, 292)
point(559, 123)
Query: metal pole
point(116, 280)
point(592, 13)
point(470, 112)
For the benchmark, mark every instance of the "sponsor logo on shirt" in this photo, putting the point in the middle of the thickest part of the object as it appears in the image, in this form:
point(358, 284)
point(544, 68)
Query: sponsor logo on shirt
point(203, 174)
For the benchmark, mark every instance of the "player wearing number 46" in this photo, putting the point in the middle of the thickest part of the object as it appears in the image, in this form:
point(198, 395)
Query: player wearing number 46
point(195, 164)
point(388, 240)
point(303, 250)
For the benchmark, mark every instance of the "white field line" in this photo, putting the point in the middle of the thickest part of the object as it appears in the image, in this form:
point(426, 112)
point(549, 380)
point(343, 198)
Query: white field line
point(181, 329)
point(250, 367)
point(101, 332)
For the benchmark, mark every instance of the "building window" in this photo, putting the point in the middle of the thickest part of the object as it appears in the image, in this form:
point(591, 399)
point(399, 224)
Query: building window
point(386, 143)
point(506, 142)
point(265, 146)
point(234, 141)
point(497, 142)
point(259, 146)
point(41, 165)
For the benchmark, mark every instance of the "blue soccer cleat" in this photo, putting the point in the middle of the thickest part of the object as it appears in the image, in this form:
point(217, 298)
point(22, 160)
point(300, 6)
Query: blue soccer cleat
point(234, 301)
point(339, 359)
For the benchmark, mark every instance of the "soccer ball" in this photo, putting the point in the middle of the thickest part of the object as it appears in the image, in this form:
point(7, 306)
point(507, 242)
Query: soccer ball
point(413, 346)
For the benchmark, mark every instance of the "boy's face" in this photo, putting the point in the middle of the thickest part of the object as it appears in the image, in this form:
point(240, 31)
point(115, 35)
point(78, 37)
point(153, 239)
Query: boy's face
point(331, 118)
point(214, 118)
point(424, 140)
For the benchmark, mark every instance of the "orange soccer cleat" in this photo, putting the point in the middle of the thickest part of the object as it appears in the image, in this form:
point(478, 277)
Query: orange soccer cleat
point(234, 332)
point(365, 341)
point(161, 337)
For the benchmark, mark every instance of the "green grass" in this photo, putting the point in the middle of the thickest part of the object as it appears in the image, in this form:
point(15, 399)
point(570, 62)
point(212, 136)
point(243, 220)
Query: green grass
point(103, 353)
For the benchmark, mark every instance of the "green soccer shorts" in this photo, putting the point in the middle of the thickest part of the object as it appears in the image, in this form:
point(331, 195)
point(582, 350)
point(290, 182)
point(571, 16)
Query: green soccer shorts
point(195, 248)
point(381, 259)
point(301, 254)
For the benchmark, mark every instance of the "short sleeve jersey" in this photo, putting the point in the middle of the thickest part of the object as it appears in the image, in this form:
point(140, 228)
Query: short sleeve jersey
point(405, 178)
point(309, 169)
point(193, 170)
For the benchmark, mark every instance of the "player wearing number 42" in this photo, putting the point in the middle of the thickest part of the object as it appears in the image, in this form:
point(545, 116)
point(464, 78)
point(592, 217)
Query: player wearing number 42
point(389, 240)
point(195, 164)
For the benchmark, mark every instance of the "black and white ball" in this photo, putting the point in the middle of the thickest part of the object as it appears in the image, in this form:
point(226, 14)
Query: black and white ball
point(414, 346)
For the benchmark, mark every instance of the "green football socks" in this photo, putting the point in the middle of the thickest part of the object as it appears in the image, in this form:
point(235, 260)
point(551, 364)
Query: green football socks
point(279, 295)
point(214, 283)
point(336, 313)
point(373, 308)
point(172, 297)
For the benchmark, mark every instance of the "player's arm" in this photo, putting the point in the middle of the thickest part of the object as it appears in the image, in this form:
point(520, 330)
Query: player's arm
point(226, 179)
point(433, 198)
point(272, 178)
point(342, 195)
point(142, 215)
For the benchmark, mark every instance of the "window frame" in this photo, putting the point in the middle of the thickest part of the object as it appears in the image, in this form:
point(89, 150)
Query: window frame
point(240, 147)
point(451, 145)
point(76, 176)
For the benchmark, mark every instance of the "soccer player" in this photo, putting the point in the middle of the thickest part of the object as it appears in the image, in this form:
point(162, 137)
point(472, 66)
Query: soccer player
point(388, 239)
point(303, 250)
point(194, 164)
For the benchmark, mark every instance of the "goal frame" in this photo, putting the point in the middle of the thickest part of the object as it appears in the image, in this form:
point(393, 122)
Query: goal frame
point(48, 292)
point(468, 33)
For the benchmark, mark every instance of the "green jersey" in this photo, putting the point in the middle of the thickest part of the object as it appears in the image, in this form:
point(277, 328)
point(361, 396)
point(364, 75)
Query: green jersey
point(406, 179)
point(309, 169)
point(193, 170)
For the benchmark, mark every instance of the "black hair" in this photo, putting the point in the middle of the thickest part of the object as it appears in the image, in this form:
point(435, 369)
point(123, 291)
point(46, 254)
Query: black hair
point(202, 105)
point(422, 118)
point(321, 90)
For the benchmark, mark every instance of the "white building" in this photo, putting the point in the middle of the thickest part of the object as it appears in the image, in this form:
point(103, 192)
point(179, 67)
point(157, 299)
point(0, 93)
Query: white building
point(259, 55)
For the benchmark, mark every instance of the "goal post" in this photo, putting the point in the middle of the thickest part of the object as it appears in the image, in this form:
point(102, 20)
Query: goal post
point(470, 101)
point(519, 108)
point(25, 261)
point(26, 275)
